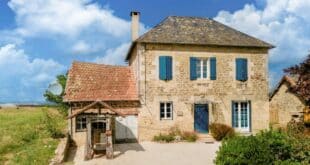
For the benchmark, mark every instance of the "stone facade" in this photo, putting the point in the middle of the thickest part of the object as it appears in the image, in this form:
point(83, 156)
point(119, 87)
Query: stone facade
point(284, 105)
point(184, 93)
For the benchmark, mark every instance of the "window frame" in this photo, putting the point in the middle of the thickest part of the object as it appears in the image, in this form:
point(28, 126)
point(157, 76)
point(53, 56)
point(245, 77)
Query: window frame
point(240, 112)
point(204, 69)
point(165, 110)
point(80, 123)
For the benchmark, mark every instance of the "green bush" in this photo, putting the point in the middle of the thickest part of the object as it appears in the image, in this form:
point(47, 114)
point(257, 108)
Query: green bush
point(189, 136)
point(221, 131)
point(267, 147)
point(175, 134)
point(51, 124)
point(164, 138)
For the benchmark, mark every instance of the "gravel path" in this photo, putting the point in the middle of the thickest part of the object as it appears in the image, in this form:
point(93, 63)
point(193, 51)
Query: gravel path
point(150, 153)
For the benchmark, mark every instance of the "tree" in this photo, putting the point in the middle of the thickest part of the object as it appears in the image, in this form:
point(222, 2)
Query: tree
point(58, 99)
point(302, 71)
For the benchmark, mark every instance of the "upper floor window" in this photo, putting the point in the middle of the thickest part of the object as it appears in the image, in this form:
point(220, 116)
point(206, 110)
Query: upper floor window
point(166, 110)
point(241, 69)
point(202, 68)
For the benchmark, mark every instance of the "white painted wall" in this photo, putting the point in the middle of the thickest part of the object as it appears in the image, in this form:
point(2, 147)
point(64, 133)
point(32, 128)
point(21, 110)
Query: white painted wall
point(126, 128)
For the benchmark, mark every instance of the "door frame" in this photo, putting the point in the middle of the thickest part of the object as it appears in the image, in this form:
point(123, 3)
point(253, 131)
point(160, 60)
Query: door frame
point(208, 116)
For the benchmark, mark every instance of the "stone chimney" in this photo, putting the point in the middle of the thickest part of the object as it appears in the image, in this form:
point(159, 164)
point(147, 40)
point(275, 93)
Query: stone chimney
point(134, 25)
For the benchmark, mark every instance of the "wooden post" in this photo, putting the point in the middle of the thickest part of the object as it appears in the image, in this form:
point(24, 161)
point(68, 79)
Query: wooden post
point(109, 139)
point(88, 146)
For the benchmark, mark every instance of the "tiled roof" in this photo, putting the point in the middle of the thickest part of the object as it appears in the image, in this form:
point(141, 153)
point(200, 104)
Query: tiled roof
point(197, 31)
point(98, 82)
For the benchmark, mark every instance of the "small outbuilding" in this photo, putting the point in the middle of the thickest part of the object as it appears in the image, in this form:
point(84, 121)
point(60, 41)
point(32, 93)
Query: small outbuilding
point(285, 104)
point(102, 99)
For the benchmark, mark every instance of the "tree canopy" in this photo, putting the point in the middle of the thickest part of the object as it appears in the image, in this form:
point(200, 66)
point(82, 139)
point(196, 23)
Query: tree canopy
point(302, 71)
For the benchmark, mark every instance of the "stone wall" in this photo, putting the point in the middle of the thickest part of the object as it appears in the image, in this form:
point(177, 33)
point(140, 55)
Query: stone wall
point(283, 105)
point(184, 93)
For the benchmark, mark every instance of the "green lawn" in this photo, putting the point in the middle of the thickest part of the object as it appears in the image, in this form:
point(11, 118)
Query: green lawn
point(24, 138)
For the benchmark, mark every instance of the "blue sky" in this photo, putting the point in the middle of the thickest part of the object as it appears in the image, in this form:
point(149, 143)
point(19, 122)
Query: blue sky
point(40, 38)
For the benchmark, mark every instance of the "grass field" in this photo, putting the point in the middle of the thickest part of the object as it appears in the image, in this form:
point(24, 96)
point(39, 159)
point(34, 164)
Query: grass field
point(24, 136)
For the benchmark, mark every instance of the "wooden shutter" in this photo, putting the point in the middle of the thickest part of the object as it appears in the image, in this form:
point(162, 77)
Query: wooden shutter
point(162, 68)
point(241, 69)
point(245, 69)
point(193, 73)
point(168, 68)
point(165, 67)
point(213, 68)
point(250, 116)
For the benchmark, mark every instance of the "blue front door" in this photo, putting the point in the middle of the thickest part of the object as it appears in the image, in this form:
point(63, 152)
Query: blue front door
point(201, 118)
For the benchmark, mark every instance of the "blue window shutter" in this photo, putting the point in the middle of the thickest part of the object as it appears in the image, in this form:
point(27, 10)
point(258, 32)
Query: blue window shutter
point(239, 69)
point(213, 68)
point(162, 68)
point(169, 68)
point(193, 73)
point(245, 69)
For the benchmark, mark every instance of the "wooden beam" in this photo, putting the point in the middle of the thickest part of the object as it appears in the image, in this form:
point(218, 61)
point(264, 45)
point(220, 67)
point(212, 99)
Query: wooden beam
point(82, 110)
point(111, 108)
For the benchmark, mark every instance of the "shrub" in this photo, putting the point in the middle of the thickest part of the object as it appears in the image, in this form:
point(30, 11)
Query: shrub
point(51, 124)
point(267, 147)
point(295, 128)
point(163, 138)
point(189, 136)
point(220, 131)
point(175, 134)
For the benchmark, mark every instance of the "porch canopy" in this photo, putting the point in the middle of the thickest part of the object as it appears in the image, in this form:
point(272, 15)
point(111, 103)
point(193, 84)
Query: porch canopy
point(109, 90)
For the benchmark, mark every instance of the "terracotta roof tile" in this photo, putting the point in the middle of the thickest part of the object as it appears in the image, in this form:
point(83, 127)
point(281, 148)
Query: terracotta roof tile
point(93, 82)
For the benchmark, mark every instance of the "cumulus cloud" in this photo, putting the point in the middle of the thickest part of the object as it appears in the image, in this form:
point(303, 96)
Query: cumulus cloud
point(21, 74)
point(59, 29)
point(284, 24)
point(114, 56)
point(69, 17)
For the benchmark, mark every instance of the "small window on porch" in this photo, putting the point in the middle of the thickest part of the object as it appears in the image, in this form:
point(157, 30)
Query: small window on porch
point(80, 123)
point(166, 111)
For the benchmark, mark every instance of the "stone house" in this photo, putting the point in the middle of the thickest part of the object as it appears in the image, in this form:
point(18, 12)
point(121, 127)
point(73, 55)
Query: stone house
point(186, 72)
point(285, 104)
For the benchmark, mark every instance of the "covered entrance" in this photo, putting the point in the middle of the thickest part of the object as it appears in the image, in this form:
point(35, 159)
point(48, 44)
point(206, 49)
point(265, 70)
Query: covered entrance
point(201, 118)
point(99, 129)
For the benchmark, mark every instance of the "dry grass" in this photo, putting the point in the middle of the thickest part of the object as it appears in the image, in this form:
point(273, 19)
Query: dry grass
point(23, 137)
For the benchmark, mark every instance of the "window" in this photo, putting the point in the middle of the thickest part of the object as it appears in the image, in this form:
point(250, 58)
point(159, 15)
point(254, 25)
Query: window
point(202, 68)
point(80, 123)
point(166, 110)
point(241, 116)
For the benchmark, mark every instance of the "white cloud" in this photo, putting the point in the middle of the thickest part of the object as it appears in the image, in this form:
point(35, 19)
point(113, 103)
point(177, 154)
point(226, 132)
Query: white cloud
point(20, 73)
point(284, 24)
point(81, 47)
point(69, 18)
point(114, 56)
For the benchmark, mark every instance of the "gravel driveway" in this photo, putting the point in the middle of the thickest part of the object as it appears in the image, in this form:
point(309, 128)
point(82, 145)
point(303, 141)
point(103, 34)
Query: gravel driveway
point(150, 153)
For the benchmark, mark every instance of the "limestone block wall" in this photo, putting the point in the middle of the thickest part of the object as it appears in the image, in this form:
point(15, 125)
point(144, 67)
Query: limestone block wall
point(184, 93)
point(283, 105)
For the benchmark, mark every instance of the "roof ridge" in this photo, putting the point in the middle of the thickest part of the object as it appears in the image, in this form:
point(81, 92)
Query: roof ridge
point(93, 63)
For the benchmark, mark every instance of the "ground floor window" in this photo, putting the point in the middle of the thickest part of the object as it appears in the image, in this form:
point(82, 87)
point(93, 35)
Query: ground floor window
point(80, 123)
point(241, 116)
point(166, 110)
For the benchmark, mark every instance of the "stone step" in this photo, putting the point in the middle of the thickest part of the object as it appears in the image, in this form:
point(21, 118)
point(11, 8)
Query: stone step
point(205, 138)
